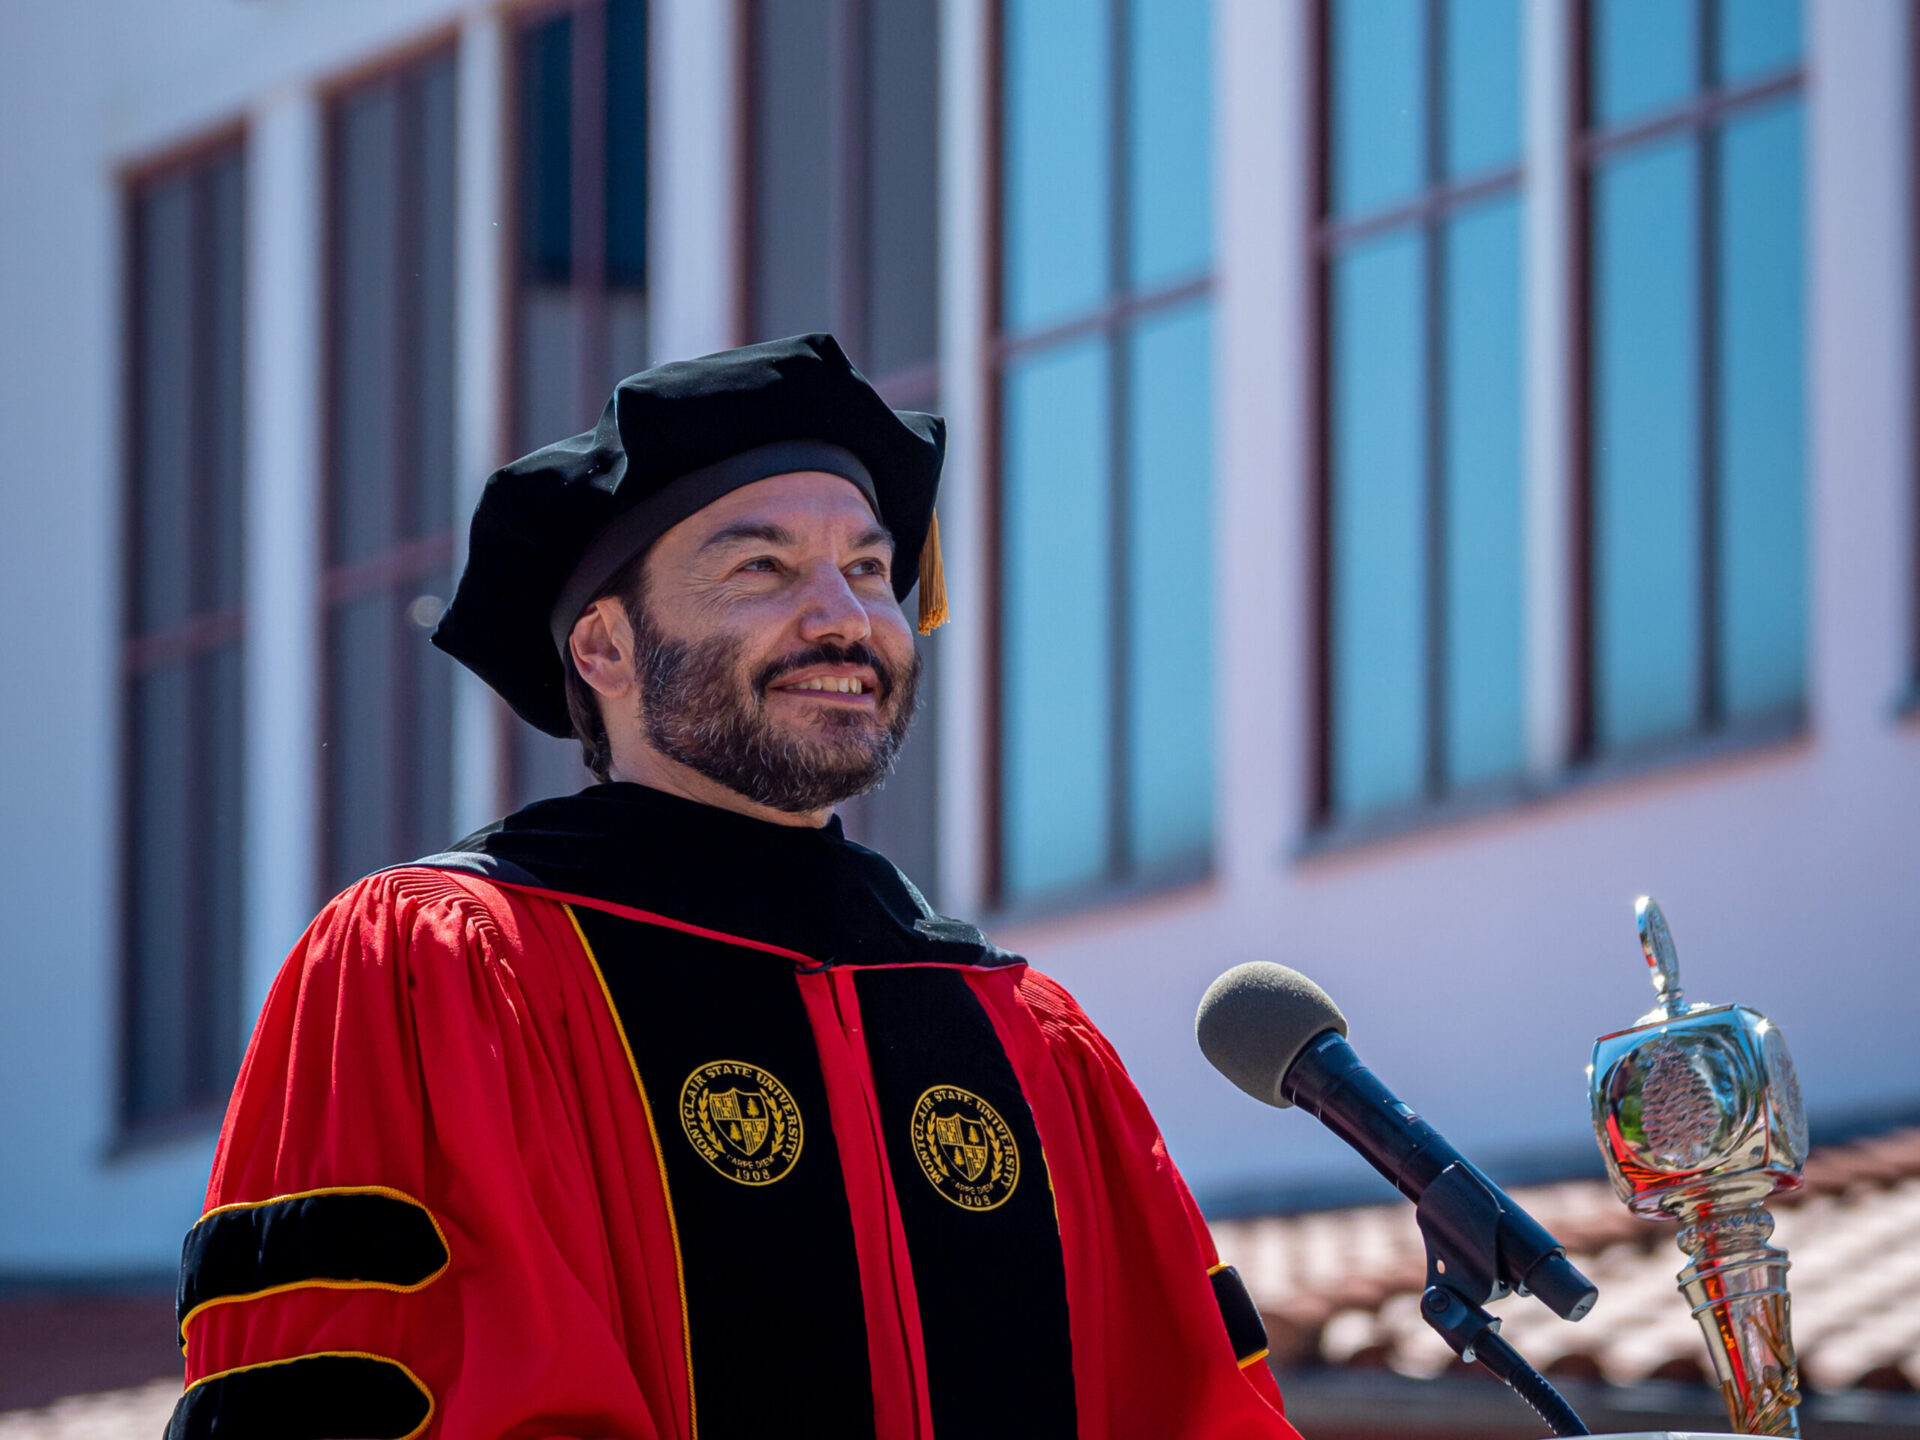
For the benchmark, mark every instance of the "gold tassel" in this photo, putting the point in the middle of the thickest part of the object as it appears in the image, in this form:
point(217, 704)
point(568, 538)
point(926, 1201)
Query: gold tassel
point(933, 581)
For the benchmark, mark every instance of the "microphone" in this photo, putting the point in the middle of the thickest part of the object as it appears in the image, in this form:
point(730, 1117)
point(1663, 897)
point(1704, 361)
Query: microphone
point(1279, 1037)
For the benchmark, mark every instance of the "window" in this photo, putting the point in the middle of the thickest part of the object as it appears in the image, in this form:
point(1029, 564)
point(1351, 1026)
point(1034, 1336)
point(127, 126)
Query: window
point(1419, 244)
point(844, 189)
point(1104, 672)
point(1696, 453)
point(580, 268)
point(183, 651)
point(843, 198)
point(1910, 701)
point(388, 771)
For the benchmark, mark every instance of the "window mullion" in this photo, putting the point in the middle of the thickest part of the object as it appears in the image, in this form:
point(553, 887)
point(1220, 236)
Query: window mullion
point(1119, 349)
point(1707, 442)
point(1706, 243)
point(1434, 343)
point(1556, 599)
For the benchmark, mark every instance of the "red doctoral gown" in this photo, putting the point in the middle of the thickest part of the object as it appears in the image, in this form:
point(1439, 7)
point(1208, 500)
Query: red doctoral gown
point(634, 1118)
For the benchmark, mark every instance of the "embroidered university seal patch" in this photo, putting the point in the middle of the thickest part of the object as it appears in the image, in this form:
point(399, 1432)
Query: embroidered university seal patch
point(741, 1121)
point(965, 1149)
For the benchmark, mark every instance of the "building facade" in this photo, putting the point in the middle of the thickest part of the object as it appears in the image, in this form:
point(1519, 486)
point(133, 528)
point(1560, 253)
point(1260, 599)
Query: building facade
point(1422, 473)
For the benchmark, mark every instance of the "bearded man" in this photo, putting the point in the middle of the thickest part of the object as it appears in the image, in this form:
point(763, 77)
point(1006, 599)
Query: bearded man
point(662, 1109)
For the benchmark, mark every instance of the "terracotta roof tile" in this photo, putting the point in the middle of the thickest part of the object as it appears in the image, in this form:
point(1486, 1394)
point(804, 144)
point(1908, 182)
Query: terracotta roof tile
point(1341, 1287)
point(136, 1414)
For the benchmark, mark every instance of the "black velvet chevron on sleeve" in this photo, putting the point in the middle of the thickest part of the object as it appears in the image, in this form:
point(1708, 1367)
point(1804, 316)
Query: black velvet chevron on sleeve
point(346, 1237)
point(1245, 1328)
point(314, 1397)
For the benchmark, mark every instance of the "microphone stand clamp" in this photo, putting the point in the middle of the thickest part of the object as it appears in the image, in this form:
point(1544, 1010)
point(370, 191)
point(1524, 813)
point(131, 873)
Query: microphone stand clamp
point(1460, 1221)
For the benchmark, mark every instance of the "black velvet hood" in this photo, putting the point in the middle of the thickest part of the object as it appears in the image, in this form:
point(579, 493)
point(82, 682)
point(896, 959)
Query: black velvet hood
point(804, 889)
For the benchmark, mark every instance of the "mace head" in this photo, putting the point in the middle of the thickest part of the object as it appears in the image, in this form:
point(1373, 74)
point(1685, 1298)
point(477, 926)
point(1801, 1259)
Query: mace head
point(1694, 1106)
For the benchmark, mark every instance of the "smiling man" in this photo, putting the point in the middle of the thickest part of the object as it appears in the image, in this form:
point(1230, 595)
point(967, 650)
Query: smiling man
point(663, 1109)
point(788, 682)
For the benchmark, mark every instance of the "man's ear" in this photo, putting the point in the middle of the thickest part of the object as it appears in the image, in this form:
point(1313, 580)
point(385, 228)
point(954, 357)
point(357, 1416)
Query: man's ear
point(602, 646)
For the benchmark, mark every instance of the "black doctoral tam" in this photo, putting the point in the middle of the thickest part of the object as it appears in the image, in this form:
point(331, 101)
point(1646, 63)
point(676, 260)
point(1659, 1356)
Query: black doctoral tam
point(554, 526)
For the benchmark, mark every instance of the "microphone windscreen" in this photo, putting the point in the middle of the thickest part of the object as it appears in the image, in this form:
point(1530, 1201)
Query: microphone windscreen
point(1256, 1019)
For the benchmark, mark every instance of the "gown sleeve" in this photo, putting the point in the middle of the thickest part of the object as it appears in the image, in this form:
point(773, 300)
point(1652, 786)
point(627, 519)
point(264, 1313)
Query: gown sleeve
point(1181, 1351)
point(403, 1234)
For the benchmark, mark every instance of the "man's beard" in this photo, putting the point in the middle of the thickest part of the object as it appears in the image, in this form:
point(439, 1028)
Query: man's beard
point(698, 709)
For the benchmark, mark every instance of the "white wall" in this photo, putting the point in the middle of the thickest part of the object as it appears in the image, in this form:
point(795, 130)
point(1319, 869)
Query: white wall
point(1476, 960)
point(58, 654)
point(89, 88)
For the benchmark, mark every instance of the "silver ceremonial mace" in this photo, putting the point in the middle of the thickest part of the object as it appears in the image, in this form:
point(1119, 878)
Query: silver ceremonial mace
point(1697, 1111)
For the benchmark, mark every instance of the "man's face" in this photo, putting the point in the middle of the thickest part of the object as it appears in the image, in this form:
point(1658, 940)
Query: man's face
point(770, 653)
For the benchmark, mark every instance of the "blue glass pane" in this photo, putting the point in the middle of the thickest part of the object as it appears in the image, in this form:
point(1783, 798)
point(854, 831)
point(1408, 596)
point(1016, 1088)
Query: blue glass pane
point(223, 440)
point(1170, 232)
point(1646, 511)
point(1170, 588)
point(218, 675)
point(163, 454)
point(160, 872)
point(427, 817)
point(1482, 100)
point(903, 186)
point(626, 141)
point(431, 214)
point(1379, 106)
point(1646, 55)
point(362, 688)
point(1054, 643)
point(1378, 611)
point(1761, 425)
point(1057, 162)
point(371, 285)
point(793, 189)
point(1484, 725)
point(545, 148)
point(1752, 37)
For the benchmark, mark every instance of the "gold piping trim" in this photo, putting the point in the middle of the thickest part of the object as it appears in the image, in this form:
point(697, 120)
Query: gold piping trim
point(387, 1285)
point(418, 1383)
point(387, 1190)
point(660, 1159)
point(1213, 1270)
point(1259, 1354)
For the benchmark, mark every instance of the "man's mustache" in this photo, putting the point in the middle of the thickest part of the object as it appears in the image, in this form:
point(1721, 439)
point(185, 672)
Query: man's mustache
point(856, 654)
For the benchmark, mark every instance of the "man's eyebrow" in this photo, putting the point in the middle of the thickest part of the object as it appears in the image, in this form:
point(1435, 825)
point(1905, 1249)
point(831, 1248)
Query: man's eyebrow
point(875, 535)
point(748, 531)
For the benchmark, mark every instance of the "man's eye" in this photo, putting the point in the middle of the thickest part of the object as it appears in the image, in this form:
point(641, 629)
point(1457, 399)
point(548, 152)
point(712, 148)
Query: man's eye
point(762, 564)
point(868, 567)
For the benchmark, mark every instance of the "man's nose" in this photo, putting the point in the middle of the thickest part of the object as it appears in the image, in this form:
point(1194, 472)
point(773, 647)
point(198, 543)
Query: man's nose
point(830, 609)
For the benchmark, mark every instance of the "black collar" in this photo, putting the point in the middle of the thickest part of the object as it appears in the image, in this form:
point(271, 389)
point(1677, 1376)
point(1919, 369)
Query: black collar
point(804, 889)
